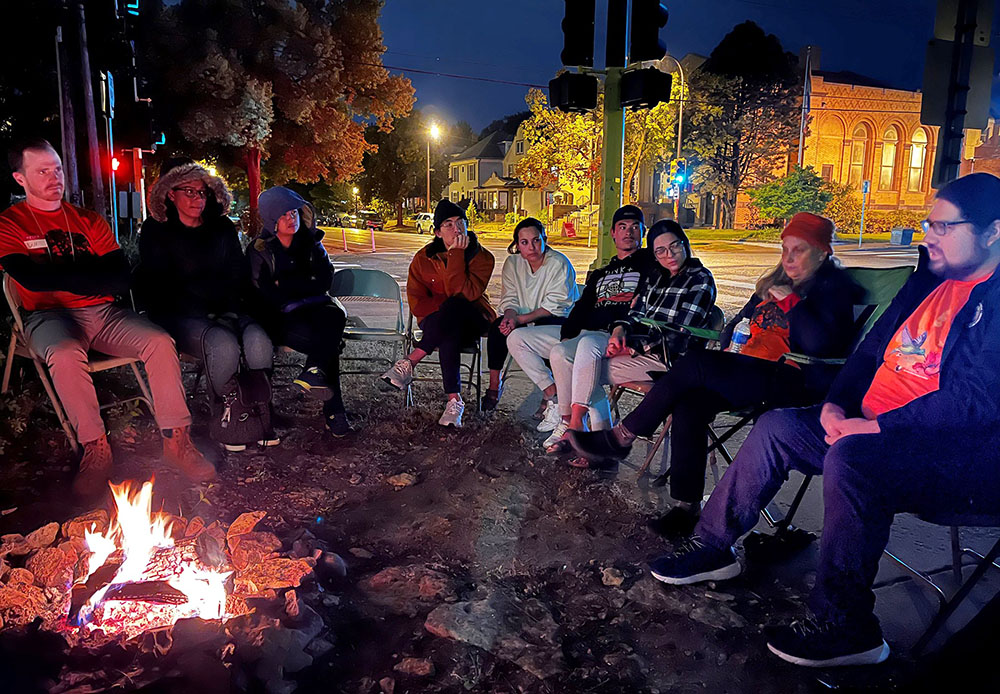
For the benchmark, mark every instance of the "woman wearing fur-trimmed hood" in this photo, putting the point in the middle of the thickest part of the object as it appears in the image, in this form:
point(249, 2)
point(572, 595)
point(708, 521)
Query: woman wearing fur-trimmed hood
point(193, 277)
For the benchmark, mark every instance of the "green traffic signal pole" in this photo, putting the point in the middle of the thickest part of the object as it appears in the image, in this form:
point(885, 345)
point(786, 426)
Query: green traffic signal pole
point(611, 164)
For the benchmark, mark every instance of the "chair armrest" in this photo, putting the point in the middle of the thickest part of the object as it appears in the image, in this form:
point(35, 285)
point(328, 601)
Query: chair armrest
point(703, 333)
point(806, 360)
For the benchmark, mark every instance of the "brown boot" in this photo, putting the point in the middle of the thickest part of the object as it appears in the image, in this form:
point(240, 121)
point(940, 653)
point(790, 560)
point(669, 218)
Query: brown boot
point(95, 468)
point(179, 450)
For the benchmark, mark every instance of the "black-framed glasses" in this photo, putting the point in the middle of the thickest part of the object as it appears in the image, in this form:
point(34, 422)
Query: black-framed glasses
point(941, 228)
point(192, 193)
point(676, 248)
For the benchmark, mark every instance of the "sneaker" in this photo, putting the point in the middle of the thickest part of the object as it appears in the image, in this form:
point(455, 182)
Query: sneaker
point(95, 468)
point(694, 562)
point(452, 415)
point(400, 375)
point(338, 424)
point(598, 446)
point(557, 434)
point(179, 451)
point(811, 644)
point(234, 447)
point(312, 380)
point(677, 522)
point(270, 439)
point(551, 417)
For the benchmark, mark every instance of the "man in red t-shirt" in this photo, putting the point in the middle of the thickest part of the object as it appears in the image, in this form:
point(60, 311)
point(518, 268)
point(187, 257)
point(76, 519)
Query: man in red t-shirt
point(65, 266)
point(911, 424)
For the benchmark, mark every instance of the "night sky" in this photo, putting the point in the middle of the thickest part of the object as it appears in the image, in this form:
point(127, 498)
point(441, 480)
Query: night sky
point(520, 41)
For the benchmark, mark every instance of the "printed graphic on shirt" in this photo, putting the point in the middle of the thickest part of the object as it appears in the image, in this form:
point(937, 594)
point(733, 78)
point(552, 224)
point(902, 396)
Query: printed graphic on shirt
point(617, 288)
point(769, 316)
point(61, 245)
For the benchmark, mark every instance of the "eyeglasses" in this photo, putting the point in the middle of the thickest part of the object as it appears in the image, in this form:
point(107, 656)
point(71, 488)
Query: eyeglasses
point(676, 248)
point(941, 228)
point(192, 193)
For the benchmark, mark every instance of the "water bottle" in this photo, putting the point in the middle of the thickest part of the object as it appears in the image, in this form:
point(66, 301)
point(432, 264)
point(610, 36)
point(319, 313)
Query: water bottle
point(741, 333)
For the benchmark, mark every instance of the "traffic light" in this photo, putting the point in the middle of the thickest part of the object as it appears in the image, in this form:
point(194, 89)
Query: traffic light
point(571, 91)
point(680, 172)
point(114, 163)
point(578, 33)
point(645, 88)
point(648, 17)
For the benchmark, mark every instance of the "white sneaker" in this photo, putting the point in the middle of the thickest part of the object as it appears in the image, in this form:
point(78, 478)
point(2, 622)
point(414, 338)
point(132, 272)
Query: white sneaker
point(561, 428)
point(551, 417)
point(400, 375)
point(452, 415)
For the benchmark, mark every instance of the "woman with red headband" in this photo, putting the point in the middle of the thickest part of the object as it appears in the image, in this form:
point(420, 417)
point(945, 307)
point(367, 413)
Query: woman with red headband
point(805, 304)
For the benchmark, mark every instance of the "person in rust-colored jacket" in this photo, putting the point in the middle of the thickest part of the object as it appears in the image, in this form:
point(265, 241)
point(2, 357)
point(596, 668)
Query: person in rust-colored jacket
point(446, 290)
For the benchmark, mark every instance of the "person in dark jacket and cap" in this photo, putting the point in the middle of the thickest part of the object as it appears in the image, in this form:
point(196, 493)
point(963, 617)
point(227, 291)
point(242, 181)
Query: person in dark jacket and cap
point(194, 280)
point(293, 274)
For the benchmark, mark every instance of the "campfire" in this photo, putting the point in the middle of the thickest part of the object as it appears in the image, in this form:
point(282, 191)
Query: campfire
point(111, 576)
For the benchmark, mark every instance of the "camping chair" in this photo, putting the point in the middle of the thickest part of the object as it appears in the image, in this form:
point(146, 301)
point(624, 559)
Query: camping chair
point(710, 332)
point(19, 347)
point(373, 302)
point(475, 366)
point(946, 606)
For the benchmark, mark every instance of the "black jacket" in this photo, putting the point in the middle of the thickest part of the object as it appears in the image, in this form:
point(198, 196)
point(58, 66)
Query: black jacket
point(608, 294)
point(967, 401)
point(288, 278)
point(191, 271)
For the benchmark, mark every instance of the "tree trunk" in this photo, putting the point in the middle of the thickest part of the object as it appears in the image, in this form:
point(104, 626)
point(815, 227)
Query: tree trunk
point(253, 183)
point(399, 213)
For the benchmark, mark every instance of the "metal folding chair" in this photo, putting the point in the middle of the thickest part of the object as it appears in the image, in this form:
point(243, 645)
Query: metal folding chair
point(19, 347)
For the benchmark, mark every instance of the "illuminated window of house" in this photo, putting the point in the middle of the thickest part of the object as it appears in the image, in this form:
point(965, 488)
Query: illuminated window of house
point(519, 147)
point(859, 148)
point(888, 169)
point(918, 155)
point(472, 172)
point(827, 174)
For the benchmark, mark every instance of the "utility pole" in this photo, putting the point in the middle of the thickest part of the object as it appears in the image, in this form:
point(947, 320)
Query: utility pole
point(614, 129)
point(67, 124)
point(93, 143)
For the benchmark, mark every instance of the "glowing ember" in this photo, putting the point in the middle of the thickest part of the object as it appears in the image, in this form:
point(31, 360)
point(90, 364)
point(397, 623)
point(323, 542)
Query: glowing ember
point(155, 583)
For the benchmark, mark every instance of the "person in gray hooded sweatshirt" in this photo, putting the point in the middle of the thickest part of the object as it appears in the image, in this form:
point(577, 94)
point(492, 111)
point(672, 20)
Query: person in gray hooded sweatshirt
point(292, 273)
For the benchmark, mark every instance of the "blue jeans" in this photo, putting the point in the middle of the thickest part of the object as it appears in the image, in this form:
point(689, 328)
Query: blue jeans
point(867, 479)
point(216, 343)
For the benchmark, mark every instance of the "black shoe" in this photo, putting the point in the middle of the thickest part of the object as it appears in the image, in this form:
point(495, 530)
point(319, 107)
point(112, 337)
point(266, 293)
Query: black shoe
point(677, 522)
point(598, 446)
point(695, 562)
point(491, 399)
point(811, 644)
point(312, 380)
point(338, 424)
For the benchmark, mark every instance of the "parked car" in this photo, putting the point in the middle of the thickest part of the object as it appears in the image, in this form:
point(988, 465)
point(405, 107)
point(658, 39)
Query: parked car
point(425, 222)
point(369, 219)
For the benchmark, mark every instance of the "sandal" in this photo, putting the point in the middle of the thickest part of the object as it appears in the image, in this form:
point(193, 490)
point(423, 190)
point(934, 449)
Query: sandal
point(582, 463)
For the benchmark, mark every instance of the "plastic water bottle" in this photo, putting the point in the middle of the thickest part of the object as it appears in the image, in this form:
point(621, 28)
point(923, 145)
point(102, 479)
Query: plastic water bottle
point(741, 333)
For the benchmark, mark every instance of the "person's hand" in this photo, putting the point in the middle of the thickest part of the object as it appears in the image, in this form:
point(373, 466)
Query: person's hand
point(780, 292)
point(849, 427)
point(616, 343)
point(509, 322)
point(460, 241)
point(830, 418)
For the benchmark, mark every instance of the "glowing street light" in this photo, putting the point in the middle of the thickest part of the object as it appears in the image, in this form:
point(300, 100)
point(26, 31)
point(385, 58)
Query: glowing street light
point(435, 133)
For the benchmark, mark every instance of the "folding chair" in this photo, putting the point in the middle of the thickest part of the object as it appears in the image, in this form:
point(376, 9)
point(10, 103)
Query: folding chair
point(19, 347)
point(373, 302)
point(475, 366)
point(947, 606)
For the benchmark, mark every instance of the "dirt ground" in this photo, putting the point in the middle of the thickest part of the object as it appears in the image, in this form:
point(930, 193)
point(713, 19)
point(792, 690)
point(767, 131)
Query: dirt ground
point(506, 569)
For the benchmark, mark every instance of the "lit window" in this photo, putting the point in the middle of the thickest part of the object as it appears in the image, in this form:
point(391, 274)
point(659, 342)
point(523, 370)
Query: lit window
point(888, 169)
point(859, 150)
point(918, 156)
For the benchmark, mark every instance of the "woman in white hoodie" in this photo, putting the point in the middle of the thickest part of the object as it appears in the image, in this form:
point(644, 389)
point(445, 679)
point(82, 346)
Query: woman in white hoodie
point(538, 288)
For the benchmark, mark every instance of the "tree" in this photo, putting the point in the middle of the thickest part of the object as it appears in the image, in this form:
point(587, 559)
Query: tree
point(273, 84)
point(649, 137)
point(745, 117)
point(558, 146)
point(802, 190)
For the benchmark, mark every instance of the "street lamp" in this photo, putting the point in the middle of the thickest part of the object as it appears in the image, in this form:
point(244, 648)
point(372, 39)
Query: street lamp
point(355, 191)
point(434, 133)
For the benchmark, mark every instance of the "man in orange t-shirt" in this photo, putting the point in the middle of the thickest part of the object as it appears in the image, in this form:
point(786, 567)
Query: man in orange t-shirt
point(911, 424)
point(65, 267)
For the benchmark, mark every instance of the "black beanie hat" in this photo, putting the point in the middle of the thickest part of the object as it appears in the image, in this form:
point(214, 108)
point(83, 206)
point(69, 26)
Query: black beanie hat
point(446, 209)
point(628, 212)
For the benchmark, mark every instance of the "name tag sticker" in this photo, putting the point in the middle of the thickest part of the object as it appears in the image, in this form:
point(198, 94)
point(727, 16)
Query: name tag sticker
point(34, 244)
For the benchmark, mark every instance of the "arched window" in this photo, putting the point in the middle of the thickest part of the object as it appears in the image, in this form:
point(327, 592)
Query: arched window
point(859, 151)
point(918, 157)
point(888, 169)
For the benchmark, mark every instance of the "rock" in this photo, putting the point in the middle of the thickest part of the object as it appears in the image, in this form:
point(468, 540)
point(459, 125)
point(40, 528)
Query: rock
point(718, 616)
point(95, 522)
point(612, 577)
point(415, 667)
point(361, 553)
point(650, 593)
point(44, 536)
point(331, 600)
point(243, 524)
point(331, 565)
point(52, 567)
point(721, 597)
point(408, 590)
point(253, 548)
point(387, 684)
point(355, 479)
point(272, 574)
point(317, 648)
point(403, 479)
point(292, 604)
point(14, 545)
point(523, 633)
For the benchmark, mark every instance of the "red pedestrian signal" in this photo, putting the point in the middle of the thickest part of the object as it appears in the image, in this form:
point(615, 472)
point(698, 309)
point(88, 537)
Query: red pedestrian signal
point(115, 163)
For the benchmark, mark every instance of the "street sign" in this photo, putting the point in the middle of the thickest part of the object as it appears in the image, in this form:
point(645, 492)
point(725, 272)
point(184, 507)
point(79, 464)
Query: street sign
point(129, 205)
point(866, 186)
